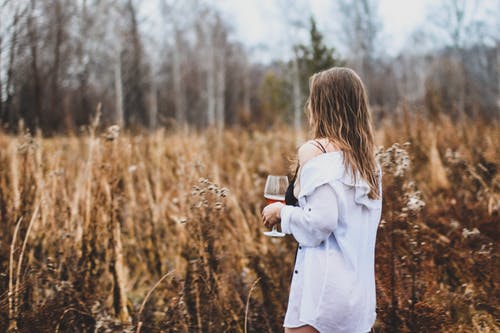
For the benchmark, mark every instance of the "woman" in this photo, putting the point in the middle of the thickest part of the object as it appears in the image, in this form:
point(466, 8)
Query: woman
point(332, 209)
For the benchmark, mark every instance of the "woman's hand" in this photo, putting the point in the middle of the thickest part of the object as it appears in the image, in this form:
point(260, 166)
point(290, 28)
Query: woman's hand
point(271, 214)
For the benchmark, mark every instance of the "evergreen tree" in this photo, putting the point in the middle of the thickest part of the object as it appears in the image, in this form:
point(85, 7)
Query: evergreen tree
point(316, 56)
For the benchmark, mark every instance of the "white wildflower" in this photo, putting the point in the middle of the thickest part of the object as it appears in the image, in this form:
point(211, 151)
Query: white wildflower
point(466, 233)
point(414, 202)
point(113, 132)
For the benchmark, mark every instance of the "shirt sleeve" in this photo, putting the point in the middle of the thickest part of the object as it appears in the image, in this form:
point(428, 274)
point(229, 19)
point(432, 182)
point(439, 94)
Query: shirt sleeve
point(313, 223)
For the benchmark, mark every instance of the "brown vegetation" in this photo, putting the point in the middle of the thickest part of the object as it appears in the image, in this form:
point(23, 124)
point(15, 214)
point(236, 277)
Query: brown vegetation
point(112, 232)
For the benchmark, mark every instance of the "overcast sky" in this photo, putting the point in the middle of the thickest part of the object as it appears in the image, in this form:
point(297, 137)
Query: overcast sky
point(257, 22)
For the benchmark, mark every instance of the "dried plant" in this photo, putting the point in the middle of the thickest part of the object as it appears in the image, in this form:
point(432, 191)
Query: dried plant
point(92, 224)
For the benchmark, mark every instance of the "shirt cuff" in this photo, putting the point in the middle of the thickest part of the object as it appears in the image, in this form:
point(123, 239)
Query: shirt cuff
point(285, 214)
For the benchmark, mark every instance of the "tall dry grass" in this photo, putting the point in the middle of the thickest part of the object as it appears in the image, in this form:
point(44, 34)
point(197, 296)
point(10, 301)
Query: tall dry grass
point(112, 232)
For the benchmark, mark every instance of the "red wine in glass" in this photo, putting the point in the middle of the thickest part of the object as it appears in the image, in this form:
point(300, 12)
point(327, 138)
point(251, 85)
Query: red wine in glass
point(274, 198)
point(274, 191)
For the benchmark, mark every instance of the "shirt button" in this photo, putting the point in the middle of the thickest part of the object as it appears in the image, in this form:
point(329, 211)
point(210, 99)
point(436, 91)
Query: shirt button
point(300, 247)
point(296, 271)
point(309, 209)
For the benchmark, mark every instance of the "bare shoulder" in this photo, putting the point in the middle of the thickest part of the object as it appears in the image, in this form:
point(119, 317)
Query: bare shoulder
point(307, 151)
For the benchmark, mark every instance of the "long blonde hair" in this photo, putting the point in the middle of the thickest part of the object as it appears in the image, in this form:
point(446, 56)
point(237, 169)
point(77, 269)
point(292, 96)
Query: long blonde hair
point(338, 110)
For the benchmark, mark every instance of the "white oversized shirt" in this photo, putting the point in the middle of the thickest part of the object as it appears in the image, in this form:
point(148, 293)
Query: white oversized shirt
point(333, 284)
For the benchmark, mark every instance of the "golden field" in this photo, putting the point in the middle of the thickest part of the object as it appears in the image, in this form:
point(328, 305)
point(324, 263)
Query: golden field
point(114, 232)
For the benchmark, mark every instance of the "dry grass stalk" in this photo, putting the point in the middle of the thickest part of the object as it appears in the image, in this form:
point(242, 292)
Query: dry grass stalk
point(68, 310)
point(117, 266)
point(11, 294)
point(14, 168)
point(140, 211)
point(143, 304)
point(21, 255)
point(119, 277)
point(248, 303)
point(439, 180)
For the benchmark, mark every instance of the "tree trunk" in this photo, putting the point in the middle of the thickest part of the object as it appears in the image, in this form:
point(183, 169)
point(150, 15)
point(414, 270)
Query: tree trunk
point(498, 74)
point(32, 36)
point(210, 74)
point(137, 111)
point(246, 94)
point(297, 101)
point(462, 82)
point(118, 118)
point(153, 106)
point(82, 53)
point(179, 97)
point(55, 101)
point(221, 88)
point(10, 117)
point(210, 89)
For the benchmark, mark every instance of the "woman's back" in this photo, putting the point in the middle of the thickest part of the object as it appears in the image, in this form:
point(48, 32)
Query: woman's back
point(335, 223)
point(336, 292)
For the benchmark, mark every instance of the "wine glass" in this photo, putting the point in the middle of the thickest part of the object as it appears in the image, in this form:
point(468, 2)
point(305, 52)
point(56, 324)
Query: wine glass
point(274, 191)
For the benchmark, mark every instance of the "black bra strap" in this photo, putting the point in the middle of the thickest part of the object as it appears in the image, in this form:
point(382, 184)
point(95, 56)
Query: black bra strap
point(322, 148)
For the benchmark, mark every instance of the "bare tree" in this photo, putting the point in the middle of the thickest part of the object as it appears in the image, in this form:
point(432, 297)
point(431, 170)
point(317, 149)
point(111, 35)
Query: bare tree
point(2, 6)
point(55, 105)
point(498, 72)
point(361, 28)
point(153, 103)
point(207, 58)
point(237, 80)
point(297, 96)
point(8, 41)
point(295, 22)
point(109, 25)
point(451, 18)
point(456, 20)
point(172, 11)
point(33, 46)
point(180, 98)
point(134, 69)
point(119, 116)
point(220, 44)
